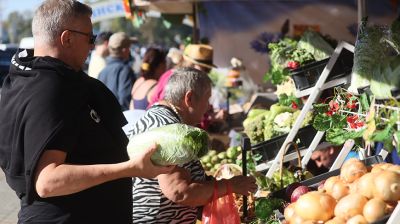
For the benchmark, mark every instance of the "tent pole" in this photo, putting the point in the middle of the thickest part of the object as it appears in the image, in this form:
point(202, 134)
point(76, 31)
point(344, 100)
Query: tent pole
point(195, 27)
point(361, 10)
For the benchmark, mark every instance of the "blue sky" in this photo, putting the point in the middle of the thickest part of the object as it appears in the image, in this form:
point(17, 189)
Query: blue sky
point(9, 6)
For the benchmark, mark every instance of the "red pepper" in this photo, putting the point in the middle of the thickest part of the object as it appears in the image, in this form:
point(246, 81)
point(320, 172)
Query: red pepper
point(353, 122)
point(333, 105)
point(351, 119)
point(294, 105)
point(351, 104)
point(329, 113)
point(293, 64)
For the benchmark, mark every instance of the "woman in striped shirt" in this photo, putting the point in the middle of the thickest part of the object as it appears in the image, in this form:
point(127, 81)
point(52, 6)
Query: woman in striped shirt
point(176, 197)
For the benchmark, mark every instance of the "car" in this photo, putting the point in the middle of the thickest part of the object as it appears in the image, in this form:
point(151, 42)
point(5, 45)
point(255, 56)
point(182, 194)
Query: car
point(7, 51)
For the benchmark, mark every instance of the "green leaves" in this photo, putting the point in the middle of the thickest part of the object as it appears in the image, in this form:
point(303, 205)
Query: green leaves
point(285, 100)
point(177, 144)
point(338, 136)
point(322, 122)
point(321, 108)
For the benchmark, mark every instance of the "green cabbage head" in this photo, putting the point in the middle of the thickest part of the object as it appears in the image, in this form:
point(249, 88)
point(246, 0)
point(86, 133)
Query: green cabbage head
point(177, 144)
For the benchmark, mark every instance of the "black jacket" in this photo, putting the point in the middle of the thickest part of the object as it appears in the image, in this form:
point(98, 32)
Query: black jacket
point(46, 105)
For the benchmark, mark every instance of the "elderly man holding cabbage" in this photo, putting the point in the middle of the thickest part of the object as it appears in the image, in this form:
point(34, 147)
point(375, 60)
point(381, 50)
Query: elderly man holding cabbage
point(176, 197)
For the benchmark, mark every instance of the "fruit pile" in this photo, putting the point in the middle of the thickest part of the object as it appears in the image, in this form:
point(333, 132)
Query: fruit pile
point(213, 160)
point(355, 196)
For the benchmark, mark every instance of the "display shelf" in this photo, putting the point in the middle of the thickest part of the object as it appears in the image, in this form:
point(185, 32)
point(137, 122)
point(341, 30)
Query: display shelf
point(286, 158)
point(314, 93)
point(336, 82)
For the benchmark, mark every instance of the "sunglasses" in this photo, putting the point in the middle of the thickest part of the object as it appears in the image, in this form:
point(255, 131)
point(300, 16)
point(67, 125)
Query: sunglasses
point(92, 38)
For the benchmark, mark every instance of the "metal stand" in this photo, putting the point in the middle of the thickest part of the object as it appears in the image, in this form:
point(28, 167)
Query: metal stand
point(315, 91)
point(245, 148)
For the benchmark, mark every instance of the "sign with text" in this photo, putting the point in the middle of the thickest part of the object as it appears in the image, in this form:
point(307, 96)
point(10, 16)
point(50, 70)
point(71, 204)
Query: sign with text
point(107, 10)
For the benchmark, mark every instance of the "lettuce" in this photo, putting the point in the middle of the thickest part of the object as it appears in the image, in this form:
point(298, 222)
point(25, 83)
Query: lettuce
point(369, 52)
point(177, 144)
point(313, 43)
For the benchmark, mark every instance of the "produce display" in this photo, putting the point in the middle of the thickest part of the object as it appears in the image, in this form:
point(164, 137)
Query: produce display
point(278, 181)
point(262, 124)
point(213, 160)
point(288, 54)
point(360, 194)
point(177, 144)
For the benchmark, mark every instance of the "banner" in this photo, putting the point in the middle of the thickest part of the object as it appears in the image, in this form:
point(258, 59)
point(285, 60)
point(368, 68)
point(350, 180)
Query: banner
point(107, 10)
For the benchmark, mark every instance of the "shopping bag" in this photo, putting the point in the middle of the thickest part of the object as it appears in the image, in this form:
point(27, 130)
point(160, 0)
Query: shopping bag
point(221, 210)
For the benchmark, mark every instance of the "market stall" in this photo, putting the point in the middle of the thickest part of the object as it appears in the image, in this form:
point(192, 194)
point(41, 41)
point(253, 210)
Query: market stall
point(354, 117)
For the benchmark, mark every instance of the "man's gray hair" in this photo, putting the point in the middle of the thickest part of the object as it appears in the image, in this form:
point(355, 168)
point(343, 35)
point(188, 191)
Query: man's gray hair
point(52, 17)
point(183, 80)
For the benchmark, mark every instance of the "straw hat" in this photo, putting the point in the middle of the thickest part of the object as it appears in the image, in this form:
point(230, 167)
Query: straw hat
point(199, 54)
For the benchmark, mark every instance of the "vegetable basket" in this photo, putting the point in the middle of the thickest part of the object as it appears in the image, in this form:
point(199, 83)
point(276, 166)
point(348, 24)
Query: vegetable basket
point(307, 76)
point(314, 182)
point(269, 149)
point(296, 170)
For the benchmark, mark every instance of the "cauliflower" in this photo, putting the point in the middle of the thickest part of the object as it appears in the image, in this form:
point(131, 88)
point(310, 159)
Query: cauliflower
point(283, 119)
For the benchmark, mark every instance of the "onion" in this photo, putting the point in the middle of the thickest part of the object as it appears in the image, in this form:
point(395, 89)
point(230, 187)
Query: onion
point(289, 211)
point(358, 219)
point(352, 169)
point(315, 205)
point(336, 220)
point(351, 205)
point(394, 168)
point(321, 186)
point(380, 167)
point(339, 190)
point(296, 219)
point(365, 185)
point(300, 190)
point(374, 210)
point(387, 186)
point(290, 188)
point(353, 186)
point(328, 185)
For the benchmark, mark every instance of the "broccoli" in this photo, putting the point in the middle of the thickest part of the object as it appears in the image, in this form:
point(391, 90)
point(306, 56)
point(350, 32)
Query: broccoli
point(307, 119)
point(269, 131)
point(254, 127)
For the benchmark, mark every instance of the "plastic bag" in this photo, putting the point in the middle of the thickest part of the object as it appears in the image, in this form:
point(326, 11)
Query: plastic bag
point(221, 210)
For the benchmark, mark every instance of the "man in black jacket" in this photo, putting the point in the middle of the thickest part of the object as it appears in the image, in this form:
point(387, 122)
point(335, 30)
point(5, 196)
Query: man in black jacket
point(61, 144)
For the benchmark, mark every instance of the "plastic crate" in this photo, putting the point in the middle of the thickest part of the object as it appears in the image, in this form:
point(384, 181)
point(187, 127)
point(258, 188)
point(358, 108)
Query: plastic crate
point(306, 76)
point(269, 149)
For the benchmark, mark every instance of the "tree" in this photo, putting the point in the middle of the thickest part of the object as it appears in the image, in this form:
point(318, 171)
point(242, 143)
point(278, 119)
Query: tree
point(18, 25)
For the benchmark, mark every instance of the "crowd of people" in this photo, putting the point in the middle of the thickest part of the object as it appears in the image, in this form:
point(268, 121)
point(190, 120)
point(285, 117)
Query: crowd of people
point(62, 147)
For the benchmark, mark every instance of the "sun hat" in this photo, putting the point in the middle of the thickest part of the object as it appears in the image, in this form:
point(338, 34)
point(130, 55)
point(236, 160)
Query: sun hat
point(200, 54)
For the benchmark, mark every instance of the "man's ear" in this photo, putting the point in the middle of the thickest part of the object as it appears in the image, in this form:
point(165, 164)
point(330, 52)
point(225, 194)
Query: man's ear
point(189, 98)
point(65, 39)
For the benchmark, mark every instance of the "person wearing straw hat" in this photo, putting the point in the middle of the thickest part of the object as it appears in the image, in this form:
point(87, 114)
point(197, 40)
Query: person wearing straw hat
point(199, 56)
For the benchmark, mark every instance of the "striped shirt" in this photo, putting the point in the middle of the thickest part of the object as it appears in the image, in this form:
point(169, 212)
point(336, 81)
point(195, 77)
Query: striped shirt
point(149, 203)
